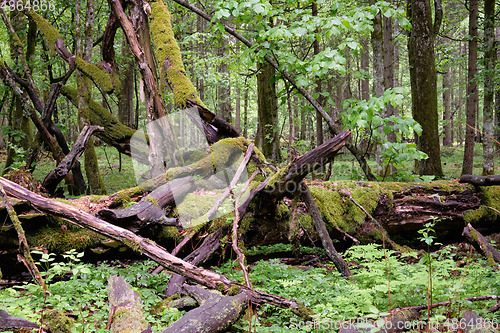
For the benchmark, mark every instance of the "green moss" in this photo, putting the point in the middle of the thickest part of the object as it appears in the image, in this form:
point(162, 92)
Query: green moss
point(305, 221)
point(58, 321)
point(133, 245)
point(114, 131)
point(233, 290)
point(282, 211)
point(170, 233)
point(106, 81)
point(159, 307)
point(152, 200)
point(58, 239)
point(339, 211)
point(168, 55)
point(50, 34)
point(490, 197)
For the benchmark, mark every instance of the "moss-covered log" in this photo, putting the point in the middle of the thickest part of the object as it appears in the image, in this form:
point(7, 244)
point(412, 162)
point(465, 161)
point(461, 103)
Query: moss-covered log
point(481, 245)
point(151, 208)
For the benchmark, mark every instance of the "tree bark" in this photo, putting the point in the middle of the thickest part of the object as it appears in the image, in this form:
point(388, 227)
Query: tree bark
point(472, 93)
point(338, 261)
point(490, 56)
point(268, 112)
point(481, 245)
point(423, 82)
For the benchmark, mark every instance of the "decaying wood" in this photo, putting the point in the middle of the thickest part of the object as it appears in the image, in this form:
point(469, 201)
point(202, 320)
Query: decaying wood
point(408, 210)
point(55, 176)
point(310, 161)
point(481, 180)
point(338, 261)
point(216, 312)
point(8, 323)
point(147, 247)
point(125, 308)
point(480, 243)
point(151, 208)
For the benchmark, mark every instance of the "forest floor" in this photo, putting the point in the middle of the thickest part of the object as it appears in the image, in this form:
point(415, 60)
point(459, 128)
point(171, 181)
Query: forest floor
point(382, 279)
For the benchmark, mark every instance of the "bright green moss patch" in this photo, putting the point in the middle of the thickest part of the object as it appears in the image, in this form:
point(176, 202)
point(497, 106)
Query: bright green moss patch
point(338, 210)
point(490, 199)
point(58, 321)
point(168, 55)
point(50, 34)
point(101, 78)
point(114, 131)
point(59, 239)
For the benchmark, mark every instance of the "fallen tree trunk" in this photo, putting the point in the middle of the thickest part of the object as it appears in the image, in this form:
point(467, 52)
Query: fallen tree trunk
point(148, 248)
point(481, 180)
point(8, 322)
point(214, 314)
point(56, 176)
point(150, 209)
point(481, 245)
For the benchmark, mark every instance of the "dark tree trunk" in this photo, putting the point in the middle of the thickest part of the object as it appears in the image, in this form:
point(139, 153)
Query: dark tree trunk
point(423, 82)
point(447, 87)
point(472, 93)
point(490, 56)
point(126, 96)
point(268, 112)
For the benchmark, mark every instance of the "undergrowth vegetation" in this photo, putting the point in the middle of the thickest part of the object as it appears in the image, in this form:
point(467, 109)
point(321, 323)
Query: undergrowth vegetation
point(382, 280)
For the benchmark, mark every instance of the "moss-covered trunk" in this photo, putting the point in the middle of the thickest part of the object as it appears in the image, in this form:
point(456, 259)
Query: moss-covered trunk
point(84, 85)
point(423, 83)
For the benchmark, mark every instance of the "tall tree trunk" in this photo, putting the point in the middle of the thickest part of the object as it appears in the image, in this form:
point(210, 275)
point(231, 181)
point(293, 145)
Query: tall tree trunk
point(472, 93)
point(447, 87)
point(423, 81)
point(268, 112)
point(490, 55)
point(126, 95)
point(390, 110)
point(245, 109)
point(84, 84)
